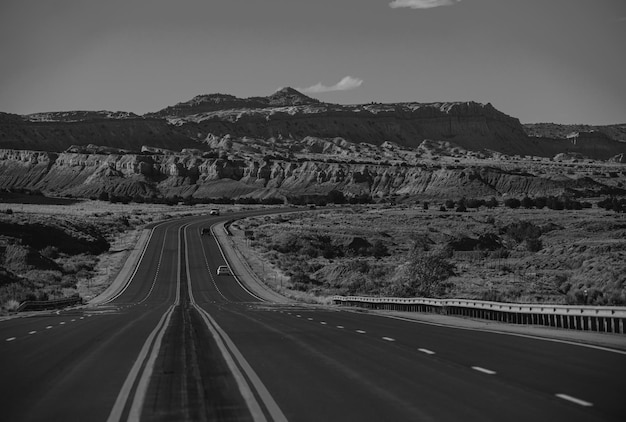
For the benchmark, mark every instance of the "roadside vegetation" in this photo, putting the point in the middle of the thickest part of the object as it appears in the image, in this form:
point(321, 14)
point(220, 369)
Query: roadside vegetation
point(490, 252)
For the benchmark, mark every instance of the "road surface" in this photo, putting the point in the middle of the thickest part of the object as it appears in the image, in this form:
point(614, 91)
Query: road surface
point(181, 343)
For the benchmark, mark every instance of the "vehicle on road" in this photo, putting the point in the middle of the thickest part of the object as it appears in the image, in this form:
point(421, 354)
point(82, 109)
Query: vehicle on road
point(206, 231)
point(223, 270)
point(214, 211)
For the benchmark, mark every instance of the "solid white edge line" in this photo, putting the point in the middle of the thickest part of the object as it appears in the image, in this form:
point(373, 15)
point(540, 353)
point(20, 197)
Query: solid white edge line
point(230, 353)
point(130, 279)
point(574, 400)
point(553, 340)
point(158, 268)
point(483, 370)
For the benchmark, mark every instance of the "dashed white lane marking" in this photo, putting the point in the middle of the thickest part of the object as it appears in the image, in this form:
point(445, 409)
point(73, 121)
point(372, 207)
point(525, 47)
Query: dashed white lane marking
point(483, 370)
point(323, 323)
point(299, 316)
point(310, 319)
point(73, 320)
point(428, 352)
point(32, 332)
point(340, 326)
point(82, 317)
point(574, 400)
point(61, 323)
point(360, 331)
point(48, 327)
point(11, 339)
point(389, 339)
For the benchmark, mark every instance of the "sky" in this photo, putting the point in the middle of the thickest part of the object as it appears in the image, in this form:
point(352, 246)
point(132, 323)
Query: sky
point(560, 61)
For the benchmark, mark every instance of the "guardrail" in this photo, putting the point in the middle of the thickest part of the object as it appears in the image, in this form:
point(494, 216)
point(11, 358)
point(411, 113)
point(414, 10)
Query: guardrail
point(606, 319)
point(38, 305)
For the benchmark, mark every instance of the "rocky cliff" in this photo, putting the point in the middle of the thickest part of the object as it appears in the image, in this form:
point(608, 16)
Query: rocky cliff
point(134, 175)
point(288, 144)
point(288, 114)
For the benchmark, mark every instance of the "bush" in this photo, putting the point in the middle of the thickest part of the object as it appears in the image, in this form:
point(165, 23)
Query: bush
point(50, 252)
point(379, 249)
point(512, 203)
point(522, 230)
point(534, 245)
point(427, 273)
point(527, 202)
point(492, 203)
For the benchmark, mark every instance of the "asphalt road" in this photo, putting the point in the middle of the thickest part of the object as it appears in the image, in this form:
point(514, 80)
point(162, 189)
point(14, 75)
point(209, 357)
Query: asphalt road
point(181, 343)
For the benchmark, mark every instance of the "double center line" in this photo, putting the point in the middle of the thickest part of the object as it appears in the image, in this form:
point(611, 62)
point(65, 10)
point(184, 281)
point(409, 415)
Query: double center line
point(130, 400)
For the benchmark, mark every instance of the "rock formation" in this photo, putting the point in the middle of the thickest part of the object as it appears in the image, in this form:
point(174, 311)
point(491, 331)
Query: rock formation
point(289, 144)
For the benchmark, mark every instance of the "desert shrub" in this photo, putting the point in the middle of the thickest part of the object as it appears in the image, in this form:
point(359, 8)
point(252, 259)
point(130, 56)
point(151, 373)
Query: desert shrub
point(68, 281)
point(533, 245)
point(461, 208)
point(527, 202)
point(11, 305)
point(492, 203)
point(336, 197)
point(540, 202)
point(425, 205)
point(449, 204)
point(379, 249)
point(501, 253)
point(522, 230)
point(614, 204)
point(426, 275)
point(50, 252)
point(555, 203)
point(512, 203)
point(475, 203)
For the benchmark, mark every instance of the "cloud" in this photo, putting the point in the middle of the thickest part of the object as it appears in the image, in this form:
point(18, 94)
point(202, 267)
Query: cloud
point(343, 85)
point(422, 4)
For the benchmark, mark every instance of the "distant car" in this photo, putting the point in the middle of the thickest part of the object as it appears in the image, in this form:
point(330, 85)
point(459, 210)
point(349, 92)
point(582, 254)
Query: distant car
point(206, 231)
point(214, 211)
point(223, 270)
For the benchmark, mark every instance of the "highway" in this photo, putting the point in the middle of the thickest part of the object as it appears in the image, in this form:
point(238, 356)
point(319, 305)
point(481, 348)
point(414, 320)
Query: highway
point(181, 343)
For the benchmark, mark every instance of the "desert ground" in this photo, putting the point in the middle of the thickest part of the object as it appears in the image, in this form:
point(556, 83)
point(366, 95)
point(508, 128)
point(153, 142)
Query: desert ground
point(499, 254)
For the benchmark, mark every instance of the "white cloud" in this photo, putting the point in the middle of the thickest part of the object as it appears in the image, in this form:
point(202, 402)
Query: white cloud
point(343, 85)
point(422, 4)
